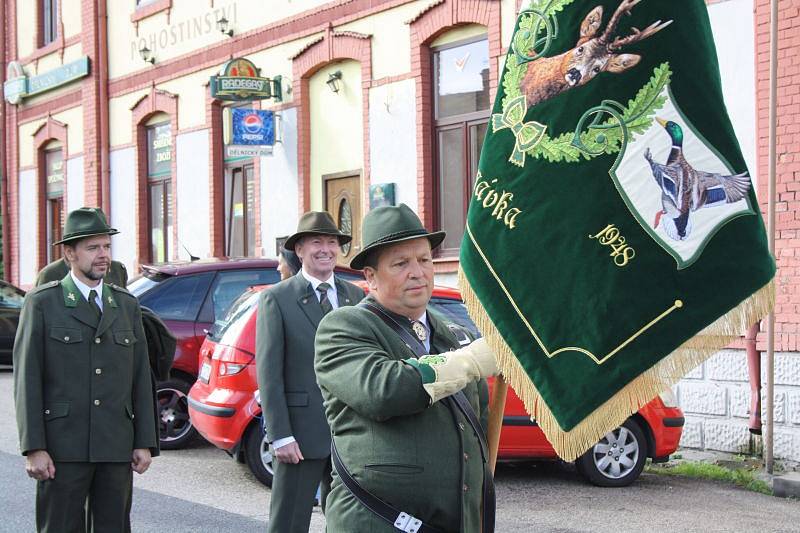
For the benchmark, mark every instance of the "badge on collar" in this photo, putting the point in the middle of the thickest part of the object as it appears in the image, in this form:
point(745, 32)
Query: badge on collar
point(420, 331)
point(71, 296)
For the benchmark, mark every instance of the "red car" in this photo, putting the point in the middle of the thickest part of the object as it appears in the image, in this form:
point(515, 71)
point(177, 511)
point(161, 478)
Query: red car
point(224, 406)
point(190, 297)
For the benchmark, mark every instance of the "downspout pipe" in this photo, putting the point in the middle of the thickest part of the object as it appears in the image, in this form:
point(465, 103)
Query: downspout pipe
point(769, 434)
point(102, 60)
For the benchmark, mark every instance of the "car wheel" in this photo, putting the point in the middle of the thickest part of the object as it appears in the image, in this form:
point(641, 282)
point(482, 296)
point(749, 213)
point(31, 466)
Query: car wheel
point(617, 459)
point(258, 454)
point(175, 429)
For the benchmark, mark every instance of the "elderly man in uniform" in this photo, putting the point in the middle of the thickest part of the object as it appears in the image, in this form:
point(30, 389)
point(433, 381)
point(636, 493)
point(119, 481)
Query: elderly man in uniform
point(409, 448)
point(56, 270)
point(288, 315)
point(82, 388)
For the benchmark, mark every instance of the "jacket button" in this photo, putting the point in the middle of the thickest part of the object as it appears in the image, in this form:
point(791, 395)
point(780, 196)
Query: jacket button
point(126, 341)
point(461, 426)
point(97, 402)
point(97, 340)
point(98, 371)
point(466, 457)
point(466, 487)
point(66, 339)
point(47, 411)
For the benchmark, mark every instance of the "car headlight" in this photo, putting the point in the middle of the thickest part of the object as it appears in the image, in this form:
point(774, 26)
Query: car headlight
point(669, 398)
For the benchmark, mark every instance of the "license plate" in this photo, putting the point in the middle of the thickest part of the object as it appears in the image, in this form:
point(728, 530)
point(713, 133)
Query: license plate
point(205, 372)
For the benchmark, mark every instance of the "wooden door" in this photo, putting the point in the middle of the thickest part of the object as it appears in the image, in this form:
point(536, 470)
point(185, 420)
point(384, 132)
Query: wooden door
point(343, 202)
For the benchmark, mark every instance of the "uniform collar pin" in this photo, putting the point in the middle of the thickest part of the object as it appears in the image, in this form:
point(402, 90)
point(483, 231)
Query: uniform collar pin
point(71, 296)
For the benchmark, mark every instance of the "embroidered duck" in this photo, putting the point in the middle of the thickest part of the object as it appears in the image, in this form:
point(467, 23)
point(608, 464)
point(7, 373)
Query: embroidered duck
point(685, 189)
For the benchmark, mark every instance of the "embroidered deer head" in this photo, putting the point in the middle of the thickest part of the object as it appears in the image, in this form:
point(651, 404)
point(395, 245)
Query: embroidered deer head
point(549, 76)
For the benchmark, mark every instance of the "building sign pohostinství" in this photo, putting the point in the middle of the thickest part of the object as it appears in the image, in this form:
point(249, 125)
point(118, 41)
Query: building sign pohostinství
point(239, 81)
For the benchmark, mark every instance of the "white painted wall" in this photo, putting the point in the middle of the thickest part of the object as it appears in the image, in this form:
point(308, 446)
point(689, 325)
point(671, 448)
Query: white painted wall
point(193, 195)
point(733, 27)
point(75, 183)
point(28, 228)
point(279, 202)
point(123, 208)
point(393, 139)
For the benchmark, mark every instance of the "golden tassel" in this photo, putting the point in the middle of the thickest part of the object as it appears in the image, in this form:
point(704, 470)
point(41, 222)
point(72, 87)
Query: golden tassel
point(569, 445)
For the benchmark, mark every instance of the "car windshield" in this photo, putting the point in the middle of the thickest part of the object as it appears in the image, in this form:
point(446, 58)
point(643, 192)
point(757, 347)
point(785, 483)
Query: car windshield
point(10, 296)
point(240, 306)
point(145, 282)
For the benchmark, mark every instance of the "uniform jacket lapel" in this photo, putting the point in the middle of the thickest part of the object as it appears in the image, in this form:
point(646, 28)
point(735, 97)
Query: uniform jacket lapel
point(307, 300)
point(109, 311)
point(342, 293)
point(441, 339)
point(77, 304)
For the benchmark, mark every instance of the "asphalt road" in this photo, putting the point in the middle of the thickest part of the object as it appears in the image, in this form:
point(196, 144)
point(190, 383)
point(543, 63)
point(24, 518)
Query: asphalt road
point(200, 489)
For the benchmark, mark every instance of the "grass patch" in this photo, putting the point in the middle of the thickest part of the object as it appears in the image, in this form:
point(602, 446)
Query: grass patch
point(741, 477)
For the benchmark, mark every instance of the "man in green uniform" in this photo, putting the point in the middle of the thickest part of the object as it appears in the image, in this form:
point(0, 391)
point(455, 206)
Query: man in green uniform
point(288, 315)
point(56, 270)
point(82, 388)
point(409, 455)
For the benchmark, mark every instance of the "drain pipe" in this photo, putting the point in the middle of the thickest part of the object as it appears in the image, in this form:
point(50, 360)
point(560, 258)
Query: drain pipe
point(769, 434)
point(104, 141)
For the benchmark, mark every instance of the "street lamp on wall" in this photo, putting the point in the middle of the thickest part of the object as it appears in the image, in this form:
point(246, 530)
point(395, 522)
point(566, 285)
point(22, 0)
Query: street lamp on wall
point(222, 26)
point(146, 55)
point(335, 80)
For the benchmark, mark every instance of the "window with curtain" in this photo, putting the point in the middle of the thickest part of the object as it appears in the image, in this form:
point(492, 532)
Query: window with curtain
point(159, 190)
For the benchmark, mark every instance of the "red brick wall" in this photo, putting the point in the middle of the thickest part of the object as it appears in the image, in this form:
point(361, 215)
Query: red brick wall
point(787, 226)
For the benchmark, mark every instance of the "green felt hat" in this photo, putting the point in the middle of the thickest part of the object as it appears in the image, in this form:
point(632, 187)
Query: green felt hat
point(316, 223)
point(85, 222)
point(391, 224)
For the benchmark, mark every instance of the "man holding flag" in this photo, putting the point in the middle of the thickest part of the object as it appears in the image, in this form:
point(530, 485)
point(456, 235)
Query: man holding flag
point(408, 449)
point(611, 161)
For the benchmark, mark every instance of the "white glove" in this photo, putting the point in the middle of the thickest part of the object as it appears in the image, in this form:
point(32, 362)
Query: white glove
point(447, 373)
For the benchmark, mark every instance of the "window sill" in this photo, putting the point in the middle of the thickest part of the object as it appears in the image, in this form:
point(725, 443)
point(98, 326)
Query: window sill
point(445, 265)
point(49, 48)
point(151, 9)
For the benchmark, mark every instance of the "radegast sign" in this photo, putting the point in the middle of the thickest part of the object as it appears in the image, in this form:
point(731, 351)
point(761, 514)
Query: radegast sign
point(253, 133)
point(19, 86)
point(239, 81)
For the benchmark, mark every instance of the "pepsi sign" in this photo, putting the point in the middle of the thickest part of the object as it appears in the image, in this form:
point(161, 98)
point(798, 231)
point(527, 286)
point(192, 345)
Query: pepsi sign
point(252, 127)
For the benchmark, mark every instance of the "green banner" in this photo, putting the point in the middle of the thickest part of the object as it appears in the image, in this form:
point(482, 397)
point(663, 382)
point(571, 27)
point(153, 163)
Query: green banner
point(613, 240)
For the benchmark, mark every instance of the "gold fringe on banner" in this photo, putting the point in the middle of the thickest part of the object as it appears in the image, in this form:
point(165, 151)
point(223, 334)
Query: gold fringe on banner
point(569, 445)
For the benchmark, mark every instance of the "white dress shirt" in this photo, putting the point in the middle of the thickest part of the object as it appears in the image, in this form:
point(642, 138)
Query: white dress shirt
point(84, 288)
point(332, 296)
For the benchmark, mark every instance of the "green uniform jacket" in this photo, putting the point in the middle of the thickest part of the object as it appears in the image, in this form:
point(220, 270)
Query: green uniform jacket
point(81, 383)
point(55, 271)
point(422, 459)
point(288, 316)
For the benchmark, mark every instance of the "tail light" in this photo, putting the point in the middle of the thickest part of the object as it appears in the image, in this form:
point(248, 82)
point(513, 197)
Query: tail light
point(231, 360)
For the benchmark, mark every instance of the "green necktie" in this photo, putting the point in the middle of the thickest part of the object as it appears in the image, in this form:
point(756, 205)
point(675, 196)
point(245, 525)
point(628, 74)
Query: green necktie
point(322, 289)
point(93, 303)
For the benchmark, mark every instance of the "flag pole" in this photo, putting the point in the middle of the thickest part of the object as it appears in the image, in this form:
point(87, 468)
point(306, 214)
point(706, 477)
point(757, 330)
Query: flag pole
point(496, 409)
point(773, 97)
